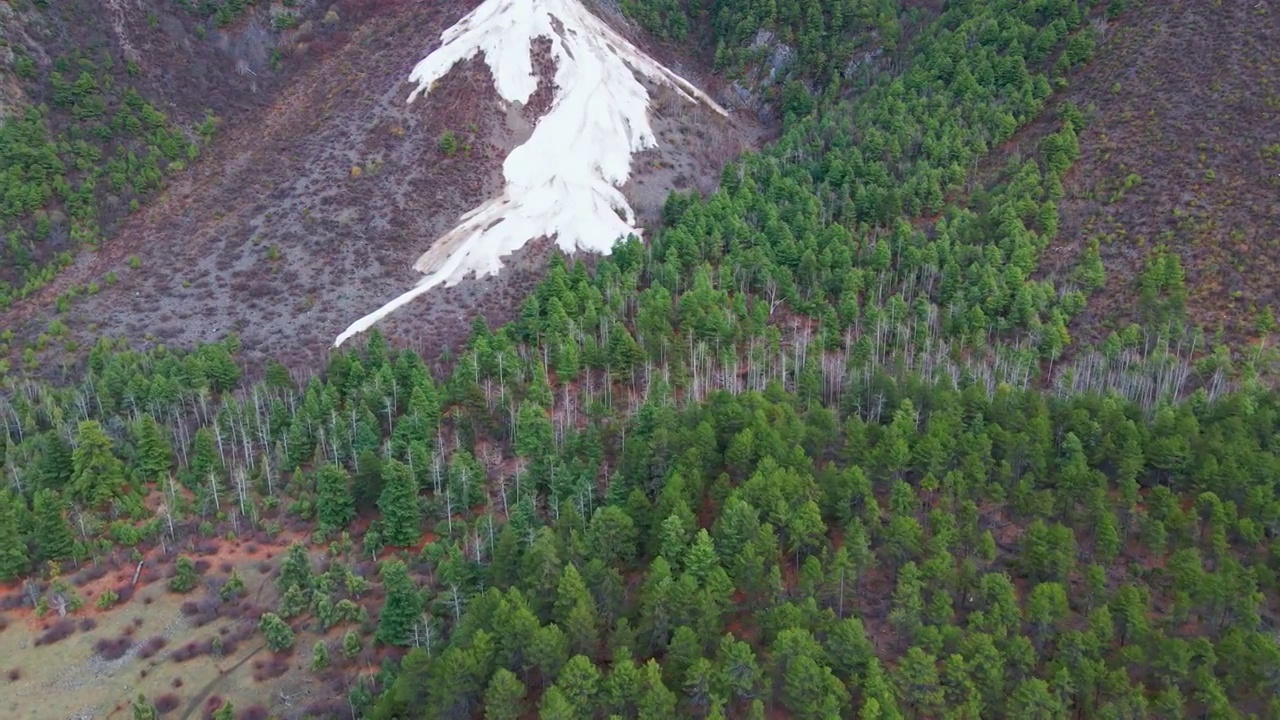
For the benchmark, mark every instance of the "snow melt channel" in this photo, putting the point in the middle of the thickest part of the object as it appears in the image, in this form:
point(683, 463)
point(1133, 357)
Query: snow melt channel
point(564, 181)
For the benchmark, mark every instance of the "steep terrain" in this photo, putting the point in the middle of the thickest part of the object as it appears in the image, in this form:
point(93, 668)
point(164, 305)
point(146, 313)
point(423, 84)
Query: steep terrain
point(1180, 151)
point(101, 102)
point(831, 442)
point(312, 215)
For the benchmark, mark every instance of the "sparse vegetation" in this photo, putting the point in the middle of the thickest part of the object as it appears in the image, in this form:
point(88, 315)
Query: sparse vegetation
point(448, 143)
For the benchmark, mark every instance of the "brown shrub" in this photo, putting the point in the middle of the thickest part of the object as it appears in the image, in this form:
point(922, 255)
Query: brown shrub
point(270, 668)
point(61, 630)
point(167, 703)
point(212, 705)
point(124, 593)
point(109, 649)
point(191, 650)
point(14, 674)
point(176, 682)
point(88, 624)
point(89, 574)
point(152, 646)
point(255, 712)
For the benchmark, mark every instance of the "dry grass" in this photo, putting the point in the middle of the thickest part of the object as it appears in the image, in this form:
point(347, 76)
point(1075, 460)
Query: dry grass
point(63, 673)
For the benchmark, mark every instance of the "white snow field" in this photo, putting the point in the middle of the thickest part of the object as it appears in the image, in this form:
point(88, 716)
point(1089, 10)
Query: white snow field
point(564, 181)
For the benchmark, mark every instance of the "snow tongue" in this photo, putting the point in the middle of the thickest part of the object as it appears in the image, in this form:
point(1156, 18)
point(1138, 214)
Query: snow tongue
point(564, 181)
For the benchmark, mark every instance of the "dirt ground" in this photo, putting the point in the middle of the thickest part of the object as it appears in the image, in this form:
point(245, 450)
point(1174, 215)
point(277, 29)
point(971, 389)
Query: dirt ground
point(296, 225)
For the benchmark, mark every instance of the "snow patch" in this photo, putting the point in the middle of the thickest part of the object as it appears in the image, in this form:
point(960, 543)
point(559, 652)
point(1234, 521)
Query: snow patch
point(564, 181)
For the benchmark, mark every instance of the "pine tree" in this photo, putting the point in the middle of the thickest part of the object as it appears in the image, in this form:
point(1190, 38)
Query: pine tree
point(277, 632)
point(335, 507)
point(98, 475)
point(155, 454)
point(402, 608)
point(184, 579)
point(13, 551)
point(52, 534)
point(368, 481)
point(504, 698)
point(575, 612)
point(350, 644)
point(399, 505)
point(319, 656)
point(296, 570)
point(143, 710)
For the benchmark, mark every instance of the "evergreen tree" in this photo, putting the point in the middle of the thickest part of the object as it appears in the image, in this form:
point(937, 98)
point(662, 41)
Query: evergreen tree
point(184, 579)
point(53, 538)
point(399, 505)
point(277, 632)
point(335, 507)
point(296, 570)
point(504, 698)
point(13, 550)
point(402, 608)
point(98, 475)
point(154, 453)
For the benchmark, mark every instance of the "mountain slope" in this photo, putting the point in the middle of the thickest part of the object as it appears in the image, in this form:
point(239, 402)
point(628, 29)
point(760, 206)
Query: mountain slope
point(313, 215)
point(1180, 151)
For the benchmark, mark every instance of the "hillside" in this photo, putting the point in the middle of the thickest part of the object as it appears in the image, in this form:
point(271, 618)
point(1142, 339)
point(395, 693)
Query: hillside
point(312, 213)
point(902, 414)
point(103, 102)
point(1179, 153)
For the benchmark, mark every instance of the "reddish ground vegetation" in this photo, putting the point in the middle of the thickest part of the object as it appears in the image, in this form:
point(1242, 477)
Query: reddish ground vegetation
point(270, 668)
point(1187, 99)
point(191, 650)
point(167, 703)
point(60, 630)
point(112, 648)
point(153, 645)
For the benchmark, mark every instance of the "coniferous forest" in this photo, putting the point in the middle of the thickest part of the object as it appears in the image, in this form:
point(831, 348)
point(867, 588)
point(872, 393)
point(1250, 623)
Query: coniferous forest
point(822, 447)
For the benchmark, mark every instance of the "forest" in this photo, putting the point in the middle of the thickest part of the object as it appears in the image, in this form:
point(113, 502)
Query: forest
point(823, 448)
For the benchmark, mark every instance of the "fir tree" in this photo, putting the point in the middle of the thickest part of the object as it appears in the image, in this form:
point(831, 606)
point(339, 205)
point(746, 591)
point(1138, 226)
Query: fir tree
point(53, 537)
point(335, 507)
point(399, 505)
point(13, 551)
point(402, 608)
